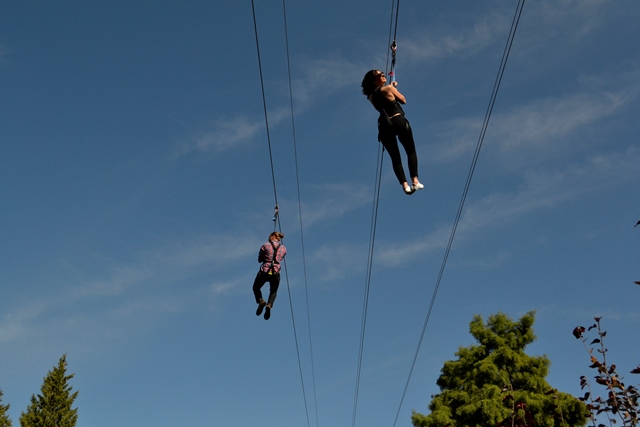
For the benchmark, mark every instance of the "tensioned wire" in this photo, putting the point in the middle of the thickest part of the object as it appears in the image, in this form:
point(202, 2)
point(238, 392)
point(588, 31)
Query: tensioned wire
point(474, 161)
point(365, 303)
point(395, 4)
point(376, 203)
point(277, 217)
point(304, 263)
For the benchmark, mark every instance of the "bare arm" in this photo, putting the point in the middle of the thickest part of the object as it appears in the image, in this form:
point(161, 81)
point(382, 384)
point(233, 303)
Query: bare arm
point(392, 93)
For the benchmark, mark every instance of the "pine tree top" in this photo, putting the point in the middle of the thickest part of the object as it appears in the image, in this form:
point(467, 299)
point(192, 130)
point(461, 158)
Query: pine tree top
point(53, 407)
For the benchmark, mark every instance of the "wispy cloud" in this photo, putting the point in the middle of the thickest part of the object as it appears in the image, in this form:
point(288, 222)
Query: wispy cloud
point(338, 260)
point(446, 41)
point(324, 76)
point(227, 133)
point(232, 132)
point(543, 189)
point(585, 15)
point(314, 77)
point(14, 324)
point(224, 134)
point(395, 254)
point(331, 201)
point(151, 304)
point(216, 251)
point(137, 289)
point(540, 189)
point(116, 283)
point(533, 127)
point(225, 286)
point(584, 314)
point(547, 120)
point(551, 18)
point(167, 264)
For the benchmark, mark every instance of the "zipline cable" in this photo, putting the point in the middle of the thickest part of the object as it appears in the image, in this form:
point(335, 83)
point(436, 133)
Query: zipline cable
point(392, 44)
point(304, 263)
point(264, 105)
point(476, 154)
point(372, 237)
point(276, 217)
point(365, 302)
point(295, 335)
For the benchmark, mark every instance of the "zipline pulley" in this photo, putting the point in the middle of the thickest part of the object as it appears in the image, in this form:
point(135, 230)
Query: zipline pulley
point(392, 74)
point(276, 211)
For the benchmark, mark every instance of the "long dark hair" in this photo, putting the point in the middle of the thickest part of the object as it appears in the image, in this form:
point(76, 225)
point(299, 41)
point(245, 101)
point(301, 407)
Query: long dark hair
point(369, 82)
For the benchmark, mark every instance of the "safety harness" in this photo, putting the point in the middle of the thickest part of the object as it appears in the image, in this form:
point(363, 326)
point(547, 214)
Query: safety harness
point(274, 260)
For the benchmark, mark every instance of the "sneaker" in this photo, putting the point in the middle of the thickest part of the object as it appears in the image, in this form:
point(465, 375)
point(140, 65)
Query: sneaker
point(417, 187)
point(267, 312)
point(408, 190)
point(261, 305)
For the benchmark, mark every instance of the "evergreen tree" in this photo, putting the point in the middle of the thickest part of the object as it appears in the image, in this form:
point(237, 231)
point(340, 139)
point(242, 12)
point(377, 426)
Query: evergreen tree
point(494, 383)
point(5, 421)
point(52, 408)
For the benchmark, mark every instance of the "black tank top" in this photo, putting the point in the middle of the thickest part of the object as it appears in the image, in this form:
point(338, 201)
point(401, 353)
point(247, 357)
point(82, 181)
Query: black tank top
point(382, 104)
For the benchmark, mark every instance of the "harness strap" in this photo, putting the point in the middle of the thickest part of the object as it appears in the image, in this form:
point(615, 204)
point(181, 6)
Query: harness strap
point(274, 257)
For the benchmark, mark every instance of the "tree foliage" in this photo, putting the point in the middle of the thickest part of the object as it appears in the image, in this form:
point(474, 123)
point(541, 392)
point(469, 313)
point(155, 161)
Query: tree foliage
point(495, 383)
point(52, 408)
point(621, 402)
point(5, 421)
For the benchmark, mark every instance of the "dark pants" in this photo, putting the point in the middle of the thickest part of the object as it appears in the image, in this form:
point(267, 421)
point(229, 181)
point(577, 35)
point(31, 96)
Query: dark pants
point(261, 279)
point(387, 136)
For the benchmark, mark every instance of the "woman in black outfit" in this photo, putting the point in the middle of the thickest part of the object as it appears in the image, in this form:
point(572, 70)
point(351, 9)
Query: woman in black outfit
point(391, 123)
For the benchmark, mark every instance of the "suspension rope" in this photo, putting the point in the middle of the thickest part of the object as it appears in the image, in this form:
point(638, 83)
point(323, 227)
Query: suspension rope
point(304, 263)
point(264, 105)
point(393, 46)
point(476, 154)
point(295, 335)
point(276, 216)
point(365, 302)
point(372, 235)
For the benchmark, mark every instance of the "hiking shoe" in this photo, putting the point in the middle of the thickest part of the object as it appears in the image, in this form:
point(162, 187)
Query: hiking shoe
point(417, 187)
point(261, 305)
point(267, 312)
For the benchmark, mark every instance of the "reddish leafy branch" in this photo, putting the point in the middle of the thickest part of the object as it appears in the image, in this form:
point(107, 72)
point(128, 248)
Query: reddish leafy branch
point(621, 401)
point(519, 416)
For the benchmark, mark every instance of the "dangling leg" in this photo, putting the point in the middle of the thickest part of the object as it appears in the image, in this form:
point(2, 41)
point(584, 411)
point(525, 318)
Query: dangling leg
point(405, 135)
point(274, 283)
point(390, 143)
point(258, 283)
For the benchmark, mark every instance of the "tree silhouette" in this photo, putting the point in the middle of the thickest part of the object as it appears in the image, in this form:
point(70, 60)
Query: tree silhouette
point(5, 421)
point(52, 408)
point(495, 383)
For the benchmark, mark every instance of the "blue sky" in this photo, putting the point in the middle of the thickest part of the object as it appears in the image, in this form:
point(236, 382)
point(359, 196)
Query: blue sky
point(136, 191)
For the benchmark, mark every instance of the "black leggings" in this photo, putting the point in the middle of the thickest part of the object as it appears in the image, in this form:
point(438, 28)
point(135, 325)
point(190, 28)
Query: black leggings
point(259, 282)
point(387, 136)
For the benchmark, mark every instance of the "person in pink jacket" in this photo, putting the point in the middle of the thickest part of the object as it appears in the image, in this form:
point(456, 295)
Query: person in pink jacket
point(271, 255)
